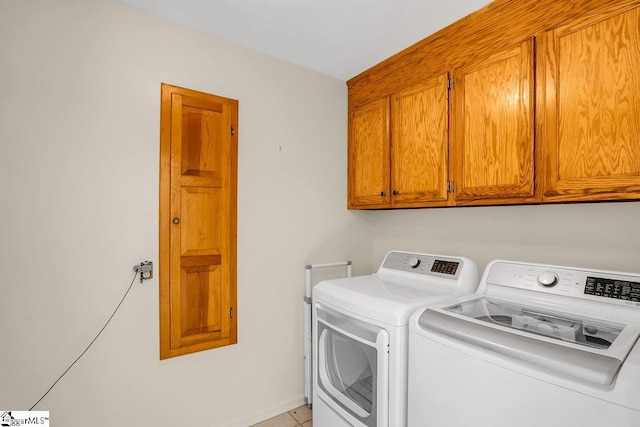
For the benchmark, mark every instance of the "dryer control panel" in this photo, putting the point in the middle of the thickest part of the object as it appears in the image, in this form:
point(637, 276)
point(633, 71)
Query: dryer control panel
point(424, 264)
point(603, 286)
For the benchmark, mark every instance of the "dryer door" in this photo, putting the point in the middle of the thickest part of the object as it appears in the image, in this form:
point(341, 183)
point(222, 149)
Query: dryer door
point(353, 367)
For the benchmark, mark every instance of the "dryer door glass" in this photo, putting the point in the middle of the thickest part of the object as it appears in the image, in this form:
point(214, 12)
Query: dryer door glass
point(351, 357)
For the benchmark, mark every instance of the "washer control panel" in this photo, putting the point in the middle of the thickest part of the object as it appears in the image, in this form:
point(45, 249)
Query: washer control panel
point(622, 289)
point(613, 288)
point(424, 264)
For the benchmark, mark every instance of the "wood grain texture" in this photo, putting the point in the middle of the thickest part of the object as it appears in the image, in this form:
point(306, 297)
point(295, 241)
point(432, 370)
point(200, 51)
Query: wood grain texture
point(420, 141)
point(593, 92)
point(203, 305)
point(498, 26)
point(571, 37)
point(369, 163)
point(198, 251)
point(202, 128)
point(494, 141)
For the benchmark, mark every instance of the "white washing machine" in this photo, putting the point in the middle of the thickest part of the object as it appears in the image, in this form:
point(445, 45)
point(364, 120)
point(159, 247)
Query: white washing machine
point(360, 336)
point(538, 345)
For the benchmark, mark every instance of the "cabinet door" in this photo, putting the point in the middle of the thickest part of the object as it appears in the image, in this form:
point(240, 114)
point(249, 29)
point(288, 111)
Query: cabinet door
point(593, 108)
point(197, 221)
point(420, 144)
point(493, 132)
point(369, 163)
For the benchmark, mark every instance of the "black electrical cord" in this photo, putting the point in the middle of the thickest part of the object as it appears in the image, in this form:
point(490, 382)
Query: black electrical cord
point(90, 344)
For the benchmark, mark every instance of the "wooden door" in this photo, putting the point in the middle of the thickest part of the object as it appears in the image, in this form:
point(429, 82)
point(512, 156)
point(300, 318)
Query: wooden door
point(593, 107)
point(368, 162)
point(494, 132)
point(197, 221)
point(420, 144)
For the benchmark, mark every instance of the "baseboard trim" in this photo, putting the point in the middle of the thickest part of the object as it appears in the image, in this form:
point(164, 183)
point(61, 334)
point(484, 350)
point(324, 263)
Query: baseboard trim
point(280, 408)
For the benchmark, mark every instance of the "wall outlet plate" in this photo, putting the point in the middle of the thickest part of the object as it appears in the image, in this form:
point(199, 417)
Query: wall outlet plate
point(145, 268)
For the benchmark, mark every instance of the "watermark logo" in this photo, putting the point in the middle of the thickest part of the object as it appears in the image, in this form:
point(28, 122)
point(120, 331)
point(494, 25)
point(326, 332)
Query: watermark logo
point(24, 418)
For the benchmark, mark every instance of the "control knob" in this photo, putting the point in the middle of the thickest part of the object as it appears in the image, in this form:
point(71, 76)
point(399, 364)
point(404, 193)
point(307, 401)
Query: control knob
point(414, 262)
point(548, 279)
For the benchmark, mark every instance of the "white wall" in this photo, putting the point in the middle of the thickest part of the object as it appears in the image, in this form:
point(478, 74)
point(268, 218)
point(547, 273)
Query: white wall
point(79, 142)
point(595, 235)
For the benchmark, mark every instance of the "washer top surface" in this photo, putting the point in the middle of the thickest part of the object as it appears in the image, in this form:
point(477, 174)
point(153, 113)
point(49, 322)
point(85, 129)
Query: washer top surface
point(403, 283)
point(578, 322)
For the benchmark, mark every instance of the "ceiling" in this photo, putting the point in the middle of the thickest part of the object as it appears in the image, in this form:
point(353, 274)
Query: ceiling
point(341, 38)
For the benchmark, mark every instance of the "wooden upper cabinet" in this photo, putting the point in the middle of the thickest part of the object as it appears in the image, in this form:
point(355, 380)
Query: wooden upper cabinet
point(420, 144)
point(592, 108)
point(369, 162)
point(398, 149)
point(493, 133)
point(544, 107)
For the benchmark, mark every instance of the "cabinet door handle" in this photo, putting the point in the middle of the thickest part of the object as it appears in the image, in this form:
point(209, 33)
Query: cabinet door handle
point(382, 193)
point(395, 192)
point(176, 220)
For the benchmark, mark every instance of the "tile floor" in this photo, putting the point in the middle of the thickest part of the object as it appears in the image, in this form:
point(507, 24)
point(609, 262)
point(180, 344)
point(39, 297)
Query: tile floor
point(294, 418)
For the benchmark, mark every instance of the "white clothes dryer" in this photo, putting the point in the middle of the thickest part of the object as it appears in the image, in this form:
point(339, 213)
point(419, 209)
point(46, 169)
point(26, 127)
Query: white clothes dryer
point(360, 336)
point(538, 345)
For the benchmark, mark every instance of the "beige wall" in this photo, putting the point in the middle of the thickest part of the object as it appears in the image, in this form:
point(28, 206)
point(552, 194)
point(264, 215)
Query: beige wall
point(595, 235)
point(79, 142)
point(79, 117)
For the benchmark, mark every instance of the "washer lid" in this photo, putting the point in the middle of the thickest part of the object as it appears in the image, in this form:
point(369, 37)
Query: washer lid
point(378, 299)
point(579, 330)
point(580, 346)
